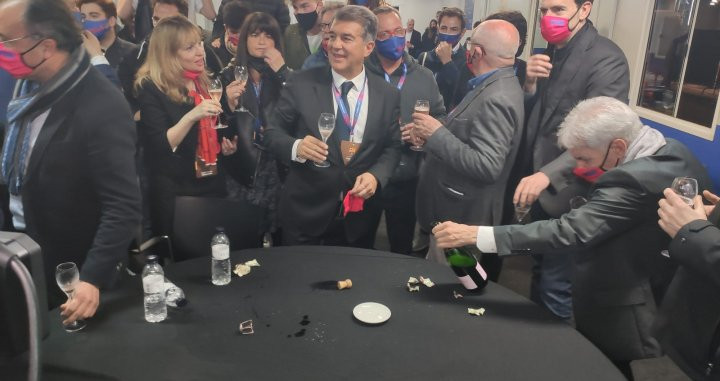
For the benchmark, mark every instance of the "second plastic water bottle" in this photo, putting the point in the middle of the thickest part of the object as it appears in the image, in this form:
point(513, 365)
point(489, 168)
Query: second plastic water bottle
point(220, 246)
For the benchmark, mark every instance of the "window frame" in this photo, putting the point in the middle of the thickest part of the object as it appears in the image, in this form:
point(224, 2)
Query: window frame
point(704, 132)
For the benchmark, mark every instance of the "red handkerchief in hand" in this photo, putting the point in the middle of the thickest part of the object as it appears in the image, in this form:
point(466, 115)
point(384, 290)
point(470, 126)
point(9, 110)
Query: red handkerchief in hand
point(352, 203)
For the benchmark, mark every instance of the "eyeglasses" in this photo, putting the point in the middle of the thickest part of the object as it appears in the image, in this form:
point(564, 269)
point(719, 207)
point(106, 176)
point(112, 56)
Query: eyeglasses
point(399, 32)
point(18, 39)
point(324, 26)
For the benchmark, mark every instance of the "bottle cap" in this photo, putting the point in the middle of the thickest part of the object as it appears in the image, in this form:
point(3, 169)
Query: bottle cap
point(151, 258)
point(219, 229)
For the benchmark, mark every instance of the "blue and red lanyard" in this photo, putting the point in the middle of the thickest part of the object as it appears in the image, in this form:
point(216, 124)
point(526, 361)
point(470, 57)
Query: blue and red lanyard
point(401, 82)
point(358, 106)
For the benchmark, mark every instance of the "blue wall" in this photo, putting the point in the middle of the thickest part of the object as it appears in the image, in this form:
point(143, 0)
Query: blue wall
point(707, 151)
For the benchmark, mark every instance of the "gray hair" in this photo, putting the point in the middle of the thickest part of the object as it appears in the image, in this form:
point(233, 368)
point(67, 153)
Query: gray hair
point(330, 6)
point(499, 38)
point(596, 122)
point(362, 16)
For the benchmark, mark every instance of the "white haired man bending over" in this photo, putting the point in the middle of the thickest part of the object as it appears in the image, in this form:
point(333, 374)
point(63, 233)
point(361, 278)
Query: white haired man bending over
point(619, 273)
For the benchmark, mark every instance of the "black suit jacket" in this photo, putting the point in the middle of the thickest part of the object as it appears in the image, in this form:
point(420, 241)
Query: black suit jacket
point(416, 41)
point(619, 275)
point(688, 325)
point(81, 199)
point(594, 67)
point(309, 200)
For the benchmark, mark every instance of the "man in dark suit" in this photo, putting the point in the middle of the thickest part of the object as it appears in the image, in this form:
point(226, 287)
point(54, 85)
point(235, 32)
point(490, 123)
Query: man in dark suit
point(469, 156)
point(447, 60)
point(413, 39)
point(619, 274)
point(578, 64)
point(688, 325)
point(363, 149)
point(68, 156)
point(414, 82)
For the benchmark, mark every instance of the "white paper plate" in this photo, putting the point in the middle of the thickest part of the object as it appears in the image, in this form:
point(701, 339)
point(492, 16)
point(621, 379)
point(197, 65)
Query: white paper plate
point(371, 313)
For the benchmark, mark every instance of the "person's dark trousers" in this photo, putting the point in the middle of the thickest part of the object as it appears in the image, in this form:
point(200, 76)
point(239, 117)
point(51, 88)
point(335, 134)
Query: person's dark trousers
point(334, 235)
point(397, 199)
point(551, 277)
point(625, 369)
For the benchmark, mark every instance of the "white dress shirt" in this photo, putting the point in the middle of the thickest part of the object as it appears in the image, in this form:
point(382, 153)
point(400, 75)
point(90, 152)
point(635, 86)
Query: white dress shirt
point(486, 239)
point(353, 96)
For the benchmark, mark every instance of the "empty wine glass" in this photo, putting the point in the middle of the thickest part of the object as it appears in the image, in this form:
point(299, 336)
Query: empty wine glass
point(521, 212)
point(67, 277)
point(215, 88)
point(326, 125)
point(687, 189)
point(241, 75)
point(421, 106)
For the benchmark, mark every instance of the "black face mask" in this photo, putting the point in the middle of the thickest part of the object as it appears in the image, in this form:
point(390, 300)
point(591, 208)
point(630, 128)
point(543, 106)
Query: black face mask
point(258, 64)
point(307, 20)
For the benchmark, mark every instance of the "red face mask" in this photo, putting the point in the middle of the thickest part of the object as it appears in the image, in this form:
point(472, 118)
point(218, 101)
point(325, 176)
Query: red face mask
point(12, 61)
point(234, 39)
point(593, 173)
point(556, 29)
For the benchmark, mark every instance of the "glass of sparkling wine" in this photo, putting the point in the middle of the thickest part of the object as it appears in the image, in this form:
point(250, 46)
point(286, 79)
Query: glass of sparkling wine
point(215, 88)
point(67, 277)
point(326, 125)
point(521, 211)
point(687, 189)
point(422, 106)
point(241, 75)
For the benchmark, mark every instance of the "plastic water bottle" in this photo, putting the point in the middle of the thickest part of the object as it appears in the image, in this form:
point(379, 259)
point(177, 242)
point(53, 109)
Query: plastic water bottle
point(220, 245)
point(174, 295)
point(153, 280)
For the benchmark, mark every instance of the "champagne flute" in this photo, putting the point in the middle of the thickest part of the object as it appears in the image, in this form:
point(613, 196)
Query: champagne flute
point(241, 75)
point(521, 211)
point(687, 189)
point(67, 277)
point(215, 88)
point(422, 106)
point(326, 125)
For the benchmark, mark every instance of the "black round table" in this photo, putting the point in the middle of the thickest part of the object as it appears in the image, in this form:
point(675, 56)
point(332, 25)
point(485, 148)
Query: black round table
point(303, 330)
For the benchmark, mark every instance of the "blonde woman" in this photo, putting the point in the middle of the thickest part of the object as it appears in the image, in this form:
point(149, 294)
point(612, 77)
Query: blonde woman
point(177, 116)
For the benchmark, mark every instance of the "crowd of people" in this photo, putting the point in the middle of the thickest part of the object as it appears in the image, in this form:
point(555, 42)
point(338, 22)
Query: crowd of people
point(117, 109)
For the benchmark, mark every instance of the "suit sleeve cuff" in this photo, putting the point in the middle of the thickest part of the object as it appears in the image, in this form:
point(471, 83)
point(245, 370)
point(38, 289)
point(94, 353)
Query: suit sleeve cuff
point(293, 154)
point(486, 239)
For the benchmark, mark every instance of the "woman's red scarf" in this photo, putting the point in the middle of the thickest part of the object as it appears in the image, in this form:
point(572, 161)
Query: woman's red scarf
point(208, 145)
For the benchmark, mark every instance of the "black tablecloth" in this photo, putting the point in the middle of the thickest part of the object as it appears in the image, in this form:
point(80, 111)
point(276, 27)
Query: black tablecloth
point(306, 331)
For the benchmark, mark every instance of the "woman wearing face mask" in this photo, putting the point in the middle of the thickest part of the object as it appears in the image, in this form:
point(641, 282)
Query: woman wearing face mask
point(429, 37)
point(176, 129)
point(254, 173)
point(99, 17)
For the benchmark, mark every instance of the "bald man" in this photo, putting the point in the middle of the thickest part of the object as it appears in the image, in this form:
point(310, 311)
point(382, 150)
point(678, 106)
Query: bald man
point(469, 156)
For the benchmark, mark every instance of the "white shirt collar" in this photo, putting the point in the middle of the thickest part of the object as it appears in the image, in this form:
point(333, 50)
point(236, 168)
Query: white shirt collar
point(358, 81)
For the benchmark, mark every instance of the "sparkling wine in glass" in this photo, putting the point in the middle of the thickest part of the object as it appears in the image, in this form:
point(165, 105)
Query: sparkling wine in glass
point(521, 211)
point(421, 106)
point(326, 125)
point(687, 189)
point(67, 277)
point(241, 75)
point(215, 88)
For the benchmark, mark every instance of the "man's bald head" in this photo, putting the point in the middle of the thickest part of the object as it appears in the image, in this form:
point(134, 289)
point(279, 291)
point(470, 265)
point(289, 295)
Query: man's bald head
point(499, 40)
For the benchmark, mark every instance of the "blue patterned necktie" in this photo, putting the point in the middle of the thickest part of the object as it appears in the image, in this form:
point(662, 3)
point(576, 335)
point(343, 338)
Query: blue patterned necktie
point(340, 126)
